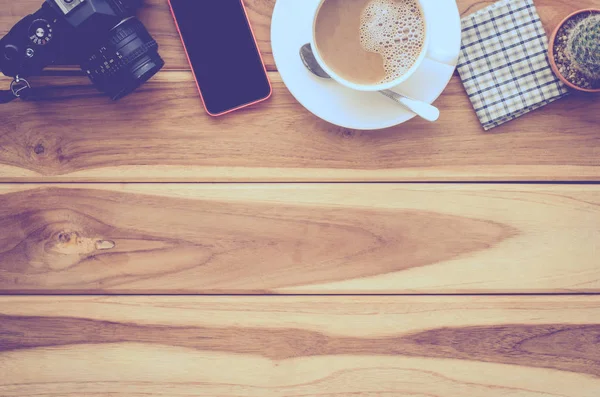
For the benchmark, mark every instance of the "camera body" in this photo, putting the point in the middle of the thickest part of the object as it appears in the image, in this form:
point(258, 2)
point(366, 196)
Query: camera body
point(104, 37)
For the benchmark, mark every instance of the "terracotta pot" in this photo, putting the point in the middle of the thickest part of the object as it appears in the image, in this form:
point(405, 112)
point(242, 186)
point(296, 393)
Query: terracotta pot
point(551, 52)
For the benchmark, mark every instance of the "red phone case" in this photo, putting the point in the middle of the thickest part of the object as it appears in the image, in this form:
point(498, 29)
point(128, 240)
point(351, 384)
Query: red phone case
point(196, 80)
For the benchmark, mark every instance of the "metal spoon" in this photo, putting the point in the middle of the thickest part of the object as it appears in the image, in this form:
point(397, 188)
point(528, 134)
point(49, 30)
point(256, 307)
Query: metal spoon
point(424, 110)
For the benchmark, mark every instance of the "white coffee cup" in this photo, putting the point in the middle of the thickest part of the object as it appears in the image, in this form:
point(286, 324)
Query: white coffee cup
point(371, 87)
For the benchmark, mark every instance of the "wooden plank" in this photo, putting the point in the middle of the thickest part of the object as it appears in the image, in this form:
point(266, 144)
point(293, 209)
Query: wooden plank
point(155, 14)
point(162, 134)
point(300, 346)
point(307, 238)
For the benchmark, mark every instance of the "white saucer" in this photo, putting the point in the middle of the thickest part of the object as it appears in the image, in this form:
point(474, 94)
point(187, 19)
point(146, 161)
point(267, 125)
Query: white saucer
point(291, 28)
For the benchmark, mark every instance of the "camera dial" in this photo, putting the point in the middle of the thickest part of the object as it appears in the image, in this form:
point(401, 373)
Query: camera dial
point(103, 36)
point(40, 32)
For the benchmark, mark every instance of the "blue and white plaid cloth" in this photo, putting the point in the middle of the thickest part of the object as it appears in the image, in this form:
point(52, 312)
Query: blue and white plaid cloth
point(504, 62)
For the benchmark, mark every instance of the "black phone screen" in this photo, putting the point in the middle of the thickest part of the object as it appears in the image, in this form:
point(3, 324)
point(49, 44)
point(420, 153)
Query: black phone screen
point(222, 52)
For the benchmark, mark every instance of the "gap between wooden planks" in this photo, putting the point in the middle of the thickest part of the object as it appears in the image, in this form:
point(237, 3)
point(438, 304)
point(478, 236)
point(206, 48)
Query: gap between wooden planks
point(299, 238)
point(300, 346)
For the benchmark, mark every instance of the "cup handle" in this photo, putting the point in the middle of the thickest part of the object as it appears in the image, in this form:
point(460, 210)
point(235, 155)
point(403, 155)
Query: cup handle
point(442, 55)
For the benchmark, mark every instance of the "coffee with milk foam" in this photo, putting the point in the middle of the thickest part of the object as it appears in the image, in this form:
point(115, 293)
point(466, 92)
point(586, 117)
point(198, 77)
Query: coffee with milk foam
point(396, 31)
point(370, 42)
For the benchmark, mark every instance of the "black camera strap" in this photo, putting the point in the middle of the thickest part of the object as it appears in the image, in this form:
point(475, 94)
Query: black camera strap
point(6, 97)
point(19, 88)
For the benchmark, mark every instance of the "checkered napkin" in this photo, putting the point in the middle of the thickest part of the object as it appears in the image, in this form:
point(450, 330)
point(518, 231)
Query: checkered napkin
point(503, 62)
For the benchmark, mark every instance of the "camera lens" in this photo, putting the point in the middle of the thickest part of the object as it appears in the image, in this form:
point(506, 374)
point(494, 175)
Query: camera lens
point(127, 60)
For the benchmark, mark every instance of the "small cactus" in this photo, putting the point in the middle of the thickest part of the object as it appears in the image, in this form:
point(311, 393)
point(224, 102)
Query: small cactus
point(583, 47)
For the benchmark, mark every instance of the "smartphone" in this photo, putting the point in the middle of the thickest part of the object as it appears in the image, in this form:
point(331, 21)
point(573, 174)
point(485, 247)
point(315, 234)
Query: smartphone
point(223, 53)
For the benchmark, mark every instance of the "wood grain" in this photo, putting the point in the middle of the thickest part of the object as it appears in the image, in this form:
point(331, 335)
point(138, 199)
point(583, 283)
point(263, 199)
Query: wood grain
point(299, 239)
point(295, 239)
point(300, 346)
point(155, 14)
point(162, 134)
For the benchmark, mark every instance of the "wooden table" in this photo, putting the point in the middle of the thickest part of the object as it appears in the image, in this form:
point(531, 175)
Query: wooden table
point(422, 260)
